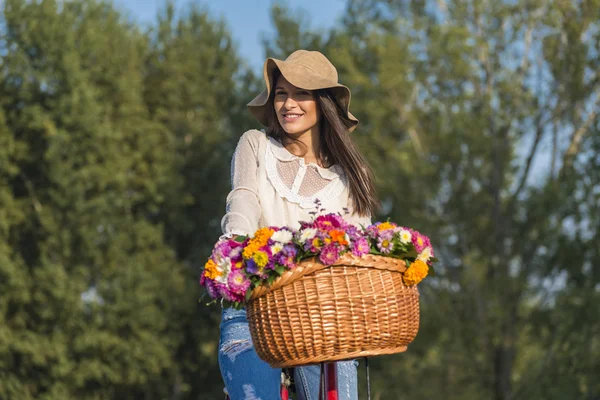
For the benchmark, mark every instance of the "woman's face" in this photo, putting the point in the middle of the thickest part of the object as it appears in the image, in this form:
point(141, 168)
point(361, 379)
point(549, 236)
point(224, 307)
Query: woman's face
point(296, 108)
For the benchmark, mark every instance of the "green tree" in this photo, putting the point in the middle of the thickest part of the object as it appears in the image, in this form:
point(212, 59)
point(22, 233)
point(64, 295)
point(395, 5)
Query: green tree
point(480, 120)
point(477, 96)
point(87, 280)
point(195, 86)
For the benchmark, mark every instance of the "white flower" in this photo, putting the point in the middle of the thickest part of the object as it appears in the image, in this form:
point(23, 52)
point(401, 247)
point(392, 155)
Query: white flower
point(405, 236)
point(235, 252)
point(307, 234)
point(282, 236)
point(223, 268)
point(425, 254)
point(276, 248)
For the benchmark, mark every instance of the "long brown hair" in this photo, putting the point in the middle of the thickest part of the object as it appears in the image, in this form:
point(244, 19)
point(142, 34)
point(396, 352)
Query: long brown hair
point(337, 147)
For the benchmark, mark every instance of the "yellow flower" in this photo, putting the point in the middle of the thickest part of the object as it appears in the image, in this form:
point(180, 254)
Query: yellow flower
point(316, 243)
point(210, 270)
point(384, 226)
point(261, 258)
point(250, 249)
point(415, 273)
point(263, 235)
point(260, 239)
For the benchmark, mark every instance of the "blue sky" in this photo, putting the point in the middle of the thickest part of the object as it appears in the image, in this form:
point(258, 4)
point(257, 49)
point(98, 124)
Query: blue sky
point(248, 20)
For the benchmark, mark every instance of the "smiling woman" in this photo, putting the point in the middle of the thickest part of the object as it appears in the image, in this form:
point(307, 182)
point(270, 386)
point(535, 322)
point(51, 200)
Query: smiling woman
point(296, 108)
point(305, 155)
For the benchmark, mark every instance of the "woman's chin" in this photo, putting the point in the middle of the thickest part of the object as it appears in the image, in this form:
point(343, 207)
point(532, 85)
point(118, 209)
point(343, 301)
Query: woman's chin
point(295, 129)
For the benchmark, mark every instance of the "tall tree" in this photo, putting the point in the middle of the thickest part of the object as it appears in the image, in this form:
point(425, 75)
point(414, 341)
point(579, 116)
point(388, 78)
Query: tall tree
point(481, 114)
point(196, 86)
point(87, 279)
point(480, 119)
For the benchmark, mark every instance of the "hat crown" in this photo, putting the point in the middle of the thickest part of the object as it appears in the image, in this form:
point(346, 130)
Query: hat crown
point(316, 62)
point(305, 69)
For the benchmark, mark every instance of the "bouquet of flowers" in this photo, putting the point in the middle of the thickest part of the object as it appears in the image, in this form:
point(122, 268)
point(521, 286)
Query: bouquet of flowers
point(239, 265)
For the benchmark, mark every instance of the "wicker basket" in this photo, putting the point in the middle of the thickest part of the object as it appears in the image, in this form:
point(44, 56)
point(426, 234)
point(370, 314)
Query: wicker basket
point(357, 308)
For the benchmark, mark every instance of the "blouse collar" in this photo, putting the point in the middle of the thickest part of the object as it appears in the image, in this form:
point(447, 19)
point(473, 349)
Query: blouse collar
point(283, 154)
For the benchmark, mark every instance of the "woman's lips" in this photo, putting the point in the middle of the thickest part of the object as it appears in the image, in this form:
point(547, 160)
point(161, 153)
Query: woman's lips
point(292, 117)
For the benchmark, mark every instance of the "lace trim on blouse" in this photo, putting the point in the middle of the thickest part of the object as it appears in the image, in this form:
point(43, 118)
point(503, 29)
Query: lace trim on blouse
point(276, 151)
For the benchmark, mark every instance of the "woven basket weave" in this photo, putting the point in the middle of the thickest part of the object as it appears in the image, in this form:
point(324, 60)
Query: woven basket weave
point(357, 308)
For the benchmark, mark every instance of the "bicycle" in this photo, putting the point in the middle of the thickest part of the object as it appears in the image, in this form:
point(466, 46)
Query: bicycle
point(328, 388)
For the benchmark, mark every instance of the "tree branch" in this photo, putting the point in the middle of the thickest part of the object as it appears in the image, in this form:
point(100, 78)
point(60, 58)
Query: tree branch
point(578, 135)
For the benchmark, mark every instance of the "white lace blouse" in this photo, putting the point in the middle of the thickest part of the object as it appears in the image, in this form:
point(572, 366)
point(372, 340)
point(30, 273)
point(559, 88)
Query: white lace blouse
point(273, 187)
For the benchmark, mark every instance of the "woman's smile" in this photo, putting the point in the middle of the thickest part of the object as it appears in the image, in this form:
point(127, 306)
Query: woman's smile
point(291, 117)
point(296, 108)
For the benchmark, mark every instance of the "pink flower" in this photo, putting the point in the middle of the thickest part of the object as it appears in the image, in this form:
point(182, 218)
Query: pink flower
point(329, 255)
point(419, 241)
point(329, 221)
point(360, 247)
point(385, 245)
point(238, 282)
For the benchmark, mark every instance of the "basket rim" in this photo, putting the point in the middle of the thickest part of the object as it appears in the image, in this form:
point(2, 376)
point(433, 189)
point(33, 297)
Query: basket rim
point(312, 264)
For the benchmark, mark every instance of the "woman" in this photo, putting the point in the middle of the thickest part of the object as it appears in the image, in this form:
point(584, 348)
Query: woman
point(305, 154)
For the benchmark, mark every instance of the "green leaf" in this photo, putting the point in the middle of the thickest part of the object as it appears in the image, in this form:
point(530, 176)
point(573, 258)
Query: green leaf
point(240, 239)
point(431, 271)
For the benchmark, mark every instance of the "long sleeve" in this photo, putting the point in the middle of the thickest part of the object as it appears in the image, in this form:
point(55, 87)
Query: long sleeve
point(243, 208)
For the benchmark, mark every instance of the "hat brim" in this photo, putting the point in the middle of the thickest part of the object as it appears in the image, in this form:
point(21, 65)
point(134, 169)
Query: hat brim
point(301, 77)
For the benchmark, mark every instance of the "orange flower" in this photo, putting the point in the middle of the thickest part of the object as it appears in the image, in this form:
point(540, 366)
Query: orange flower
point(210, 270)
point(384, 226)
point(260, 239)
point(250, 249)
point(415, 273)
point(338, 236)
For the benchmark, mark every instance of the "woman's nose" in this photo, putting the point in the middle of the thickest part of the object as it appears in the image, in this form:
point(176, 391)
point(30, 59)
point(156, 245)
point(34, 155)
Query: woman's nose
point(290, 103)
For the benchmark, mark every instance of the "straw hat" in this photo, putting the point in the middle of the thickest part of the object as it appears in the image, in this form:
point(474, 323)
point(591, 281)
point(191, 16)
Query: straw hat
point(304, 69)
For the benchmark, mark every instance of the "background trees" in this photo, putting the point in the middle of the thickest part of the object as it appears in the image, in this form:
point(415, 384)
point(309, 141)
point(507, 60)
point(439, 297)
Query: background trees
point(480, 119)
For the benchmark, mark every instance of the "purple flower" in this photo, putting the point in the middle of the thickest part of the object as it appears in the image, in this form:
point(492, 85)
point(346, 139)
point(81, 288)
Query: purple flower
point(238, 282)
point(360, 247)
point(222, 249)
point(372, 231)
point(353, 232)
point(290, 250)
point(252, 267)
point(385, 245)
point(387, 234)
point(224, 292)
point(211, 288)
point(329, 255)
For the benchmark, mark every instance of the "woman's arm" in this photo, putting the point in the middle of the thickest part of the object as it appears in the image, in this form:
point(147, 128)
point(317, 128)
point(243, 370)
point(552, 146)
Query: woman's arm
point(243, 208)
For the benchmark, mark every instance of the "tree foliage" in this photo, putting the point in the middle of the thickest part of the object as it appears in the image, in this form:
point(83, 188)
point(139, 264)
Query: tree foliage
point(481, 122)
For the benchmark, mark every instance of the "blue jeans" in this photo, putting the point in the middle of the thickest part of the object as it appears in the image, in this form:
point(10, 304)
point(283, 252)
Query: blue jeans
point(247, 377)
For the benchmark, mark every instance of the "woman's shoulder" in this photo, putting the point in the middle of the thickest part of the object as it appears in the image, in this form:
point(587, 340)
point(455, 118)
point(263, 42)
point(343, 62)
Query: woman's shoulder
point(253, 136)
